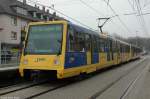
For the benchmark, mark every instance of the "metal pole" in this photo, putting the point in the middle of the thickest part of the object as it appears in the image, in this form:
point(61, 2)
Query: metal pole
point(0, 53)
point(136, 38)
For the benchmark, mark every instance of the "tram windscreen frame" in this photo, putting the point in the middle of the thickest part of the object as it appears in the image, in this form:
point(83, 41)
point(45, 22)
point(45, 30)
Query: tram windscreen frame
point(44, 39)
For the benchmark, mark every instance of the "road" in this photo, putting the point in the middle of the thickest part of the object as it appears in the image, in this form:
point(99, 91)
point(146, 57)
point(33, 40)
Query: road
point(128, 81)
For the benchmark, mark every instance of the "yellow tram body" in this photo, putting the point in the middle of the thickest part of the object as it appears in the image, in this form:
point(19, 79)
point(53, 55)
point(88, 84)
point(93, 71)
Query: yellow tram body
point(56, 62)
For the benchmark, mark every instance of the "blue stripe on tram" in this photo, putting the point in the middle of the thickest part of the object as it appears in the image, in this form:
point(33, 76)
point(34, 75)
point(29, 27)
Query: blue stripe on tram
point(75, 59)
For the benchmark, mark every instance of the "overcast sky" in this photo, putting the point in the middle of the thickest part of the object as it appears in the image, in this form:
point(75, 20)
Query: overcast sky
point(79, 11)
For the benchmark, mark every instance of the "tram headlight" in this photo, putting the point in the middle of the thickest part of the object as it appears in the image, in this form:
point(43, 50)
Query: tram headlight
point(25, 61)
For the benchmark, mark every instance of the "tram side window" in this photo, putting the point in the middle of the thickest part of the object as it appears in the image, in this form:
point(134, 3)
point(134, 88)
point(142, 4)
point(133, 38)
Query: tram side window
point(110, 45)
point(88, 42)
point(76, 41)
point(124, 48)
point(79, 42)
point(98, 44)
point(111, 49)
point(121, 48)
point(114, 47)
point(128, 49)
point(95, 44)
point(106, 49)
point(82, 42)
point(71, 39)
point(118, 47)
point(102, 45)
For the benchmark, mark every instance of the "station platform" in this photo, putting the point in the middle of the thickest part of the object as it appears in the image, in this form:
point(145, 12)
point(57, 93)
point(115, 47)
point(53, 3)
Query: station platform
point(7, 71)
point(7, 67)
point(2, 69)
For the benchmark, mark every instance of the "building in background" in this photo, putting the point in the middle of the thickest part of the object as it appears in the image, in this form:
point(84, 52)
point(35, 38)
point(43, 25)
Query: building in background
point(14, 17)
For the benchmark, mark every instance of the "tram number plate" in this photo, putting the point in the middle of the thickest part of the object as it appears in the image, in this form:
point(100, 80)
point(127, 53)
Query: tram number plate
point(39, 59)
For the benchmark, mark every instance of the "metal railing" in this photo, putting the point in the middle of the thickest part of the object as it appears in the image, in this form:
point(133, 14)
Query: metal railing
point(9, 58)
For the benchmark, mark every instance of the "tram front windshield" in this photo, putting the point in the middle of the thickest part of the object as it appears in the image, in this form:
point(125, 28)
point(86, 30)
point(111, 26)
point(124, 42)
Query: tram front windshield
point(44, 39)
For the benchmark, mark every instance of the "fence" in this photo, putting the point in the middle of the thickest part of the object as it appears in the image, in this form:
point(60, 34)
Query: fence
point(9, 58)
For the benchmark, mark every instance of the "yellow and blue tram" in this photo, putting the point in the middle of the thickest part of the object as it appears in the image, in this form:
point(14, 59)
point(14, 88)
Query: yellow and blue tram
point(69, 50)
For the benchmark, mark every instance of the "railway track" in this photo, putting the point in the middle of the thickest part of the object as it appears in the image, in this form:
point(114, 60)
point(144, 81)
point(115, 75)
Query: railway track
point(133, 82)
point(46, 91)
point(19, 86)
point(11, 83)
point(36, 89)
point(100, 92)
point(32, 90)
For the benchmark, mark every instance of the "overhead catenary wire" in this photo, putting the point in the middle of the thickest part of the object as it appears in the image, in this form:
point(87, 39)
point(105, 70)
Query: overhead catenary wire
point(144, 13)
point(73, 19)
point(107, 2)
point(140, 13)
point(66, 15)
point(139, 10)
point(90, 7)
point(137, 13)
point(118, 17)
point(97, 11)
point(132, 6)
point(146, 3)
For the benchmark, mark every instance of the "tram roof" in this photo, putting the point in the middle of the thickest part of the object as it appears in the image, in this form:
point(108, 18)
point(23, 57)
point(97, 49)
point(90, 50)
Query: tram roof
point(83, 29)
